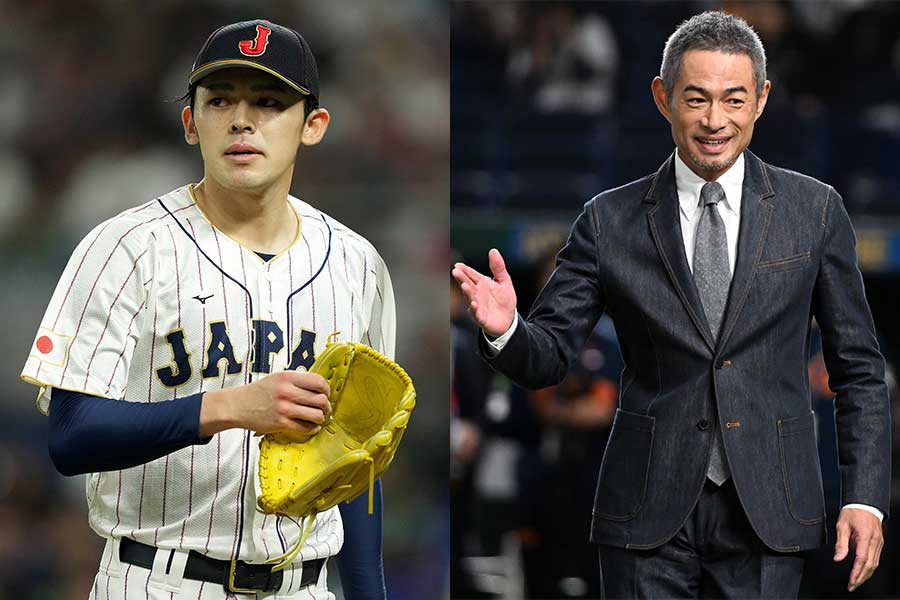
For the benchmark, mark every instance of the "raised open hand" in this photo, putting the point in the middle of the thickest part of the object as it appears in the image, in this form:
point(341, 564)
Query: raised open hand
point(492, 300)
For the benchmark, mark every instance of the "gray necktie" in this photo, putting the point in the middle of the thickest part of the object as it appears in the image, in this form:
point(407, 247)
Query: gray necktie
point(712, 276)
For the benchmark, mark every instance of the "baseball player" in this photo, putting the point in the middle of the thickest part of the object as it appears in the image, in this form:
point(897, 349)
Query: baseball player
point(181, 329)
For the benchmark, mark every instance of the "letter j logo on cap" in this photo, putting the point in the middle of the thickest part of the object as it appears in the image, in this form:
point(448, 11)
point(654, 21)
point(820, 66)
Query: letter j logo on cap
point(257, 45)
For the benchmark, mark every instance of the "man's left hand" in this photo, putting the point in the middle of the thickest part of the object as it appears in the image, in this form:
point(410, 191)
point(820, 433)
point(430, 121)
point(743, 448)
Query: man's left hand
point(861, 530)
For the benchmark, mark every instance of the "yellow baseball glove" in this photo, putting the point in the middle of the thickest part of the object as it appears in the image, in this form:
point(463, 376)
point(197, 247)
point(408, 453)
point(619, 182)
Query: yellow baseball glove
point(371, 401)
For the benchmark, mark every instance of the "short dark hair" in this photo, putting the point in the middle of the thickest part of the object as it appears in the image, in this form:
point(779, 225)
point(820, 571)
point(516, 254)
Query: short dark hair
point(310, 103)
point(712, 30)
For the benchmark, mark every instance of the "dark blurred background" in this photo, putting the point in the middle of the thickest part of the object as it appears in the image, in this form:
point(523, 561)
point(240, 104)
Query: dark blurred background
point(550, 105)
point(87, 129)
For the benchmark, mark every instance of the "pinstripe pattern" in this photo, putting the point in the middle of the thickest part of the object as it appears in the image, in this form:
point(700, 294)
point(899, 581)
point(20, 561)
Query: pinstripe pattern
point(368, 338)
point(311, 288)
point(224, 376)
point(177, 293)
point(311, 276)
point(222, 275)
point(264, 541)
point(74, 277)
point(118, 503)
point(87, 370)
point(352, 292)
point(112, 532)
point(290, 339)
point(174, 391)
point(290, 307)
point(84, 255)
point(127, 571)
point(87, 303)
point(212, 507)
point(247, 315)
point(190, 500)
point(334, 300)
point(153, 337)
point(134, 280)
point(381, 302)
point(202, 345)
point(124, 347)
point(239, 500)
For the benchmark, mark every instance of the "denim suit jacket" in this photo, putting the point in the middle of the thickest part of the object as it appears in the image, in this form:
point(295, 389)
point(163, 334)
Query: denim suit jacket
point(796, 260)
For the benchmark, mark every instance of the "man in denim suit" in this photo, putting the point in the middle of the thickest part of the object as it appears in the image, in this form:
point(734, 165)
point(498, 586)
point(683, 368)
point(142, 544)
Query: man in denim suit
point(712, 269)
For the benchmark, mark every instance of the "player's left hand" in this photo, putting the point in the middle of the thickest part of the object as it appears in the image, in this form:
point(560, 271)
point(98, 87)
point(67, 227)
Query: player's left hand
point(860, 530)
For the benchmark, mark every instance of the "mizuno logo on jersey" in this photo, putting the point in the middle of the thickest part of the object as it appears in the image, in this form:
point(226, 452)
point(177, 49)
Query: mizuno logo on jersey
point(202, 298)
point(268, 341)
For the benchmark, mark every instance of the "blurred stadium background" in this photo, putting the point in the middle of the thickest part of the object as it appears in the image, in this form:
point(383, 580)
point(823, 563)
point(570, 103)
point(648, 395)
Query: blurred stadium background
point(88, 129)
point(550, 105)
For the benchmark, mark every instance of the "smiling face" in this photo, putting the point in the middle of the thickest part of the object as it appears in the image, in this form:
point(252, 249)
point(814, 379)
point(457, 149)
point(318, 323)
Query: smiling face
point(249, 126)
point(712, 109)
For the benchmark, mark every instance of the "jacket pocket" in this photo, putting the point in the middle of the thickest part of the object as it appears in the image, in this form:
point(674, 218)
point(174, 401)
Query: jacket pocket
point(800, 468)
point(786, 263)
point(623, 472)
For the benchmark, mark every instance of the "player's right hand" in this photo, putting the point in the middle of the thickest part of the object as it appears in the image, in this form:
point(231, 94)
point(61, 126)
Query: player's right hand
point(492, 301)
point(292, 401)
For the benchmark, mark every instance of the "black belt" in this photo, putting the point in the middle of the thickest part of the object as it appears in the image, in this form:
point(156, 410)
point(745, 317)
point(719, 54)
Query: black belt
point(203, 568)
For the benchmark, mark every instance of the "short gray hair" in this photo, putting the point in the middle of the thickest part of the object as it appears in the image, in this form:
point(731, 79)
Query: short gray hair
point(712, 30)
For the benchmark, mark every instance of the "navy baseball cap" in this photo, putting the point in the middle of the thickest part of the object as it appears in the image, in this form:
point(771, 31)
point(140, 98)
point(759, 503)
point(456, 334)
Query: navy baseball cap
point(263, 45)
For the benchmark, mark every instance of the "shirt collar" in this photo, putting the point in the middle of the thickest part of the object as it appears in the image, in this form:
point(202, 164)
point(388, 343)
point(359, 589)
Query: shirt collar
point(689, 185)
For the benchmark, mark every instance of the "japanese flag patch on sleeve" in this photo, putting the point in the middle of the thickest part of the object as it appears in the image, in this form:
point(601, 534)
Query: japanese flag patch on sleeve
point(50, 347)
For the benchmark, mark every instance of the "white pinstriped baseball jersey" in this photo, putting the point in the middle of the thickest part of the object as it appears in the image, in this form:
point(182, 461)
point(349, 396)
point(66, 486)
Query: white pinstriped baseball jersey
point(156, 304)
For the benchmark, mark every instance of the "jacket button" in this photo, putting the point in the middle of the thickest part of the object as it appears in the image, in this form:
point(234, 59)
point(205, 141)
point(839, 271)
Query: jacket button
point(723, 362)
point(702, 424)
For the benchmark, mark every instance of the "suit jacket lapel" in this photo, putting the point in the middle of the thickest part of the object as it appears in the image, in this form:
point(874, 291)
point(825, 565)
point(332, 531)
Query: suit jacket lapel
point(756, 212)
point(665, 226)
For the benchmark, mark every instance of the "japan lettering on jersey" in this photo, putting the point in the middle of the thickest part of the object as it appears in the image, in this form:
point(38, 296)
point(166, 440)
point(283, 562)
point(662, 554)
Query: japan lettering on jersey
point(156, 304)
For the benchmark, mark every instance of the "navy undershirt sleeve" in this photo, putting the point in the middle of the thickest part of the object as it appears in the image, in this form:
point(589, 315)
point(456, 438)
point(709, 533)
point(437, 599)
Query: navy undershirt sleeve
point(89, 434)
point(359, 561)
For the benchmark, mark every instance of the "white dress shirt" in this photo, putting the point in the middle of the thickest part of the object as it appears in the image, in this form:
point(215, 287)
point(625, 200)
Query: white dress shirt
point(688, 184)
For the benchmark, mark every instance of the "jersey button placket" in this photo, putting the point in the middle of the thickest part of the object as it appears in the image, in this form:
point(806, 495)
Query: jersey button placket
point(265, 289)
